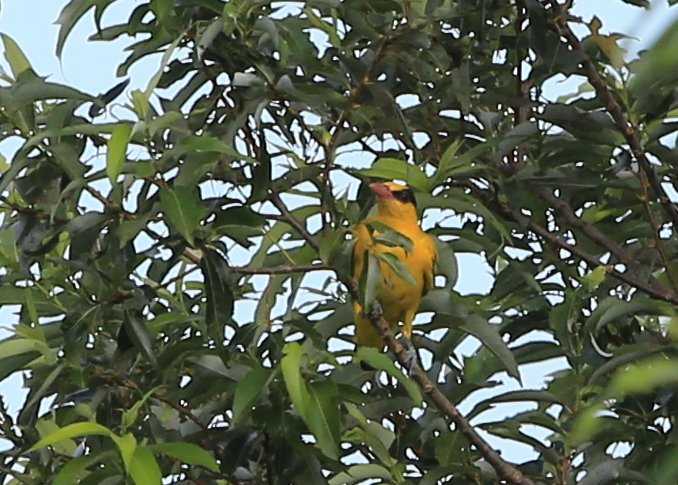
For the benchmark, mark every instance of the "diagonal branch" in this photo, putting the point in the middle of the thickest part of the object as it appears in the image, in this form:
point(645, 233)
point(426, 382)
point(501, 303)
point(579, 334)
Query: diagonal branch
point(651, 288)
point(591, 231)
point(597, 236)
point(648, 287)
point(293, 221)
point(504, 469)
point(626, 127)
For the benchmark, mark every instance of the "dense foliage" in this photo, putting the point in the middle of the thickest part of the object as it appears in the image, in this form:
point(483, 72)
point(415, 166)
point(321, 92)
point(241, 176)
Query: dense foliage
point(177, 256)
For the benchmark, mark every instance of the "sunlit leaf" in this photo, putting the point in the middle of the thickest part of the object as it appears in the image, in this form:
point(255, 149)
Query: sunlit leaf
point(144, 468)
point(394, 169)
point(188, 453)
point(117, 151)
point(15, 57)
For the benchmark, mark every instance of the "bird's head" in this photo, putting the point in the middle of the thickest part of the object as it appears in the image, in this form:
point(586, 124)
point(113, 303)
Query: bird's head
point(395, 200)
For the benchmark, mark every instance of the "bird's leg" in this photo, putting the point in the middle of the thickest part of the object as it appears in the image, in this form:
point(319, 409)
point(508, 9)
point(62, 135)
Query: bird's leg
point(411, 352)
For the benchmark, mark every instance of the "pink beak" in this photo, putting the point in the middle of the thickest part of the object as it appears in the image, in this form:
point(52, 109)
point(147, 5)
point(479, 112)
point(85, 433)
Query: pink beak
point(381, 190)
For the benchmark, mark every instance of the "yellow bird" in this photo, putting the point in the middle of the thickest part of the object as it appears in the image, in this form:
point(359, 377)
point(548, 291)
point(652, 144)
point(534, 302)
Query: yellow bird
point(399, 298)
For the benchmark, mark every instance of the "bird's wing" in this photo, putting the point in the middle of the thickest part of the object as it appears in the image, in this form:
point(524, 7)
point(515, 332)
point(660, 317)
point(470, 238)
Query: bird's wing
point(362, 242)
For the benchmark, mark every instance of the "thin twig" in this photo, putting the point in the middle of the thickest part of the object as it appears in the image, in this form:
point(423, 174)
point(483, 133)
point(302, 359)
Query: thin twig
point(624, 125)
point(331, 146)
point(591, 231)
point(285, 269)
point(650, 288)
point(15, 474)
point(293, 221)
point(659, 244)
point(119, 381)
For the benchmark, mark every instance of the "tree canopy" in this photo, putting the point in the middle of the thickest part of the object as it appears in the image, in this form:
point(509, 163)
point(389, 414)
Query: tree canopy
point(178, 257)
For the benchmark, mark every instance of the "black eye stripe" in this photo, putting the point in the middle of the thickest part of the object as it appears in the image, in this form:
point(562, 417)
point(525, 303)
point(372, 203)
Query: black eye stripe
point(405, 196)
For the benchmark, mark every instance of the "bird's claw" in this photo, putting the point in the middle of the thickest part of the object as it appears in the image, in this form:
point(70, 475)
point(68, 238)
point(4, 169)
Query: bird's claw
point(410, 353)
point(376, 311)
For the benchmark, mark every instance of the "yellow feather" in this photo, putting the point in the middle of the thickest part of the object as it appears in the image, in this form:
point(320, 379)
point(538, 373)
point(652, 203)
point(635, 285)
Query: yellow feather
point(399, 299)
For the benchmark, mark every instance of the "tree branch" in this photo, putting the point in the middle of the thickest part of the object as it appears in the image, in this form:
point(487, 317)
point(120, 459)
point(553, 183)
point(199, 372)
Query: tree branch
point(650, 288)
point(504, 469)
point(285, 269)
point(293, 221)
point(591, 231)
point(597, 236)
point(626, 127)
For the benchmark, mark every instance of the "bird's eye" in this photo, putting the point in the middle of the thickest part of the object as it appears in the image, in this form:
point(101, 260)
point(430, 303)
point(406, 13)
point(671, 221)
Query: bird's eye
point(405, 196)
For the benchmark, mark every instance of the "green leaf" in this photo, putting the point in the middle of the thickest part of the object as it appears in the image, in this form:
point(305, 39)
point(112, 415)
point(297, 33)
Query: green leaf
point(395, 169)
point(512, 396)
point(446, 264)
point(161, 9)
point(201, 144)
point(594, 278)
point(316, 406)
point(490, 338)
point(70, 15)
point(248, 390)
point(378, 438)
point(448, 158)
point(667, 470)
point(36, 396)
point(360, 473)
point(74, 430)
point(397, 266)
point(117, 151)
point(612, 470)
point(644, 376)
point(370, 282)
point(389, 236)
point(17, 60)
point(183, 210)
point(461, 203)
point(218, 292)
point(138, 332)
point(140, 99)
point(187, 453)
point(586, 425)
point(643, 3)
point(452, 165)
point(323, 416)
point(381, 361)
point(46, 427)
point(76, 469)
point(294, 381)
point(129, 416)
point(658, 65)
point(144, 468)
point(12, 347)
point(612, 309)
point(127, 445)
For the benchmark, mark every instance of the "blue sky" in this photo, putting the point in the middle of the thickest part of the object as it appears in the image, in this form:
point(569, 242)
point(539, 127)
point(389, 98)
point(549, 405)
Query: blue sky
point(91, 67)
